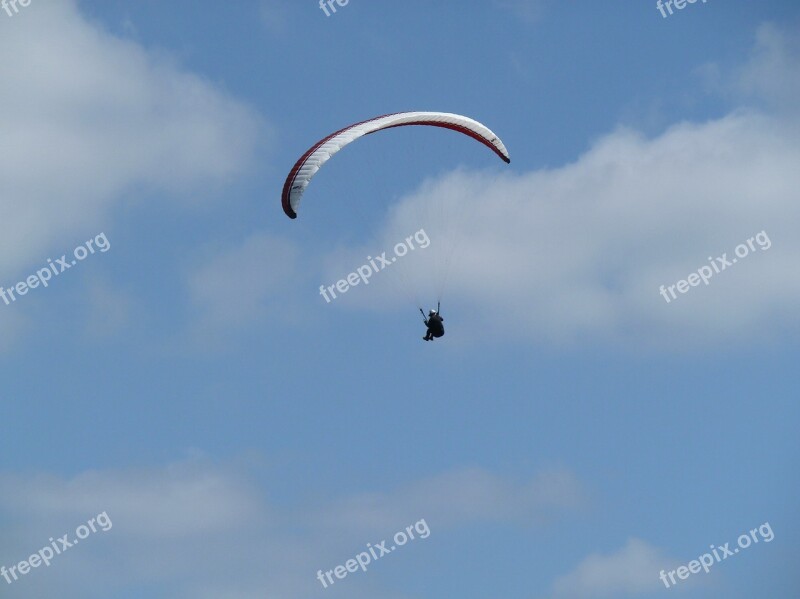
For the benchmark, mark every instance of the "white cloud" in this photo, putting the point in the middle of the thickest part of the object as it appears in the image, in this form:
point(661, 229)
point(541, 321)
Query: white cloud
point(460, 496)
point(90, 117)
point(578, 253)
point(773, 71)
point(198, 529)
point(146, 504)
point(631, 571)
point(166, 524)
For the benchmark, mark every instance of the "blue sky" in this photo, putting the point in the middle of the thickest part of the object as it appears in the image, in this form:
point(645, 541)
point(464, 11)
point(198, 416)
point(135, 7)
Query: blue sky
point(572, 434)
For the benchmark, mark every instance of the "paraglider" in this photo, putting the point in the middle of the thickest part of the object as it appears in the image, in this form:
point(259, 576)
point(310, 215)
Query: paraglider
point(435, 324)
point(317, 155)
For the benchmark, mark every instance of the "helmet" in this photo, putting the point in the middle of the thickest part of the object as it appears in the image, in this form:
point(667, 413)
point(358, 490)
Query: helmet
point(432, 313)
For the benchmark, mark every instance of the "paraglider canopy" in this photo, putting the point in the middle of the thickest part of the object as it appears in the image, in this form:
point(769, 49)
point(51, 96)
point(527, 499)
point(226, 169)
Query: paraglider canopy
point(318, 154)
